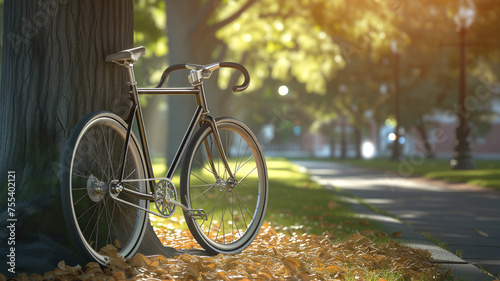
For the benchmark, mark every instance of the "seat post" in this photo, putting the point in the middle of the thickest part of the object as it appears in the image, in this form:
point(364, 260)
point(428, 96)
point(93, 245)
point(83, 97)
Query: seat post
point(140, 121)
point(132, 83)
point(130, 70)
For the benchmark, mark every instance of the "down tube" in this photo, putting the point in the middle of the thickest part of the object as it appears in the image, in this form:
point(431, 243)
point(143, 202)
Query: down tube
point(185, 141)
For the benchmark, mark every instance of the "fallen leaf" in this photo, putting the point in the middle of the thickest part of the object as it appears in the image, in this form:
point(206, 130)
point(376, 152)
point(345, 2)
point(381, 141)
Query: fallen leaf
point(118, 262)
point(368, 232)
point(482, 233)
point(192, 270)
point(61, 265)
point(138, 260)
point(264, 276)
point(291, 262)
point(33, 277)
point(49, 275)
point(118, 276)
point(304, 277)
point(332, 204)
point(396, 234)
point(23, 277)
point(109, 250)
point(333, 268)
point(117, 244)
point(222, 275)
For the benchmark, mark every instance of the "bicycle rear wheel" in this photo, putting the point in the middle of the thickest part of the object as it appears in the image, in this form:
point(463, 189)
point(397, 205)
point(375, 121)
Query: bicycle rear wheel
point(234, 214)
point(92, 162)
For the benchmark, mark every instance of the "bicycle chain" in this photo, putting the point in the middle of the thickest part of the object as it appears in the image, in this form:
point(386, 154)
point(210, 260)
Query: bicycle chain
point(195, 213)
point(141, 208)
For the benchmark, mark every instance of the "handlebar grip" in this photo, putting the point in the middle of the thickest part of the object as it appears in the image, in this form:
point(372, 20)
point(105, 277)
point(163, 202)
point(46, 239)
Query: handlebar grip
point(168, 71)
point(243, 70)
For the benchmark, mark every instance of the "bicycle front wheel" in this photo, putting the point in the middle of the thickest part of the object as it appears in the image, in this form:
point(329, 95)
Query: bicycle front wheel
point(235, 208)
point(92, 164)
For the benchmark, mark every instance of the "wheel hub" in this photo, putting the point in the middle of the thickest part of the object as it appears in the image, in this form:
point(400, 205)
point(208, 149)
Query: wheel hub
point(115, 188)
point(96, 189)
point(226, 185)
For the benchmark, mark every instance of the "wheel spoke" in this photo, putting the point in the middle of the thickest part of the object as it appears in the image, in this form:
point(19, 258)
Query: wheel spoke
point(81, 198)
point(247, 175)
point(110, 163)
point(78, 218)
point(203, 193)
point(241, 184)
point(95, 158)
point(204, 166)
point(243, 215)
point(243, 164)
point(244, 201)
point(199, 178)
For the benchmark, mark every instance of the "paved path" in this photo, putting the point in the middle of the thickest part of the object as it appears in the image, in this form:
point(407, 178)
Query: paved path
point(467, 218)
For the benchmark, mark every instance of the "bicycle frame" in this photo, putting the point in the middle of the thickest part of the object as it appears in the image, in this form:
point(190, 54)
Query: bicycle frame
point(200, 116)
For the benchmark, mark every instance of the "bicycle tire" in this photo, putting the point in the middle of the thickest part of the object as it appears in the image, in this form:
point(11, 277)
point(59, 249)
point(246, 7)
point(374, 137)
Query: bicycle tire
point(246, 202)
point(92, 160)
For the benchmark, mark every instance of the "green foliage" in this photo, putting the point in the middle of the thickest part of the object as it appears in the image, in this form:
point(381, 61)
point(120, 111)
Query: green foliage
point(150, 31)
point(314, 46)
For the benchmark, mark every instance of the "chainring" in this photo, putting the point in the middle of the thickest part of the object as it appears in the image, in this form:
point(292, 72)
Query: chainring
point(164, 191)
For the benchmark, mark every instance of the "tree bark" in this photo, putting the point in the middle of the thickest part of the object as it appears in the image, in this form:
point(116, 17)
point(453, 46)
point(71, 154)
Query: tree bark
point(53, 73)
point(429, 151)
point(357, 140)
point(331, 135)
point(343, 138)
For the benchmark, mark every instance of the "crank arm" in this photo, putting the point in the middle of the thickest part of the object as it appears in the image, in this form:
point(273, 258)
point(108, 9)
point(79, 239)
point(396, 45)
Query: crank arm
point(194, 213)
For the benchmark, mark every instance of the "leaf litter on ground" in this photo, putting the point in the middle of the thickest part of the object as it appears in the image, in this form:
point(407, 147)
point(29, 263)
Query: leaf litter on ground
point(274, 255)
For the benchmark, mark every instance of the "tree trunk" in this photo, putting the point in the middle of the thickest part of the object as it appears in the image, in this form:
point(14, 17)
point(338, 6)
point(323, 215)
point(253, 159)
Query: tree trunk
point(329, 131)
point(429, 152)
point(357, 140)
point(183, 48)
point(343, 139)
point(332, 143)
point(53, 73)
point(192, 39)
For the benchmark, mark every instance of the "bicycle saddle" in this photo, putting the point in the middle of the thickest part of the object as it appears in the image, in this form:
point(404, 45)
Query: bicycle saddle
point(126, 55)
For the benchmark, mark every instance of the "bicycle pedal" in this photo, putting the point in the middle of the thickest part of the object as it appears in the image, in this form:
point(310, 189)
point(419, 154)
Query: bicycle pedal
point(197, 214)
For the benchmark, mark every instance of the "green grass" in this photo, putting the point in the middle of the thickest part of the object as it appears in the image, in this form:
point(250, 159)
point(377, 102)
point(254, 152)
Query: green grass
point(487, 172)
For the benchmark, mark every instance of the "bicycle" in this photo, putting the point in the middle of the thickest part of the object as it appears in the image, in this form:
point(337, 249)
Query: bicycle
point(109, 183)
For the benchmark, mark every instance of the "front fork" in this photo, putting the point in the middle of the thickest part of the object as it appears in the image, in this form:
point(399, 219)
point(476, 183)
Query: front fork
point(218, 143)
